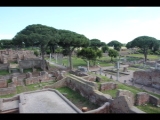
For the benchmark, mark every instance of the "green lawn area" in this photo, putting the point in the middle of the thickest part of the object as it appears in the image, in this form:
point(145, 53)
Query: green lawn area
point(151, 57)
point(80, 62)
point(77, 99)
point(7, 96)
point(4, 72)
point(30, 70)
point(150, 108)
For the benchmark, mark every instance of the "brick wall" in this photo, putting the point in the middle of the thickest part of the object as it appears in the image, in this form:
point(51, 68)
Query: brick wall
point(3, 83)
point(10, 90)
point(108, 86)
point(148, 78)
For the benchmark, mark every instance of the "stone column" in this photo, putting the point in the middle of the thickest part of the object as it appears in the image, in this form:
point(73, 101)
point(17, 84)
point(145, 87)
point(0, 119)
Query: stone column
point(88, 65)
point(50, 56)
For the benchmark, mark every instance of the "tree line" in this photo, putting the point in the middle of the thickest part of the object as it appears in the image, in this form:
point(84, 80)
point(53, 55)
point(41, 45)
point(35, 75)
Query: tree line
point(65, 41)
point(46, 37)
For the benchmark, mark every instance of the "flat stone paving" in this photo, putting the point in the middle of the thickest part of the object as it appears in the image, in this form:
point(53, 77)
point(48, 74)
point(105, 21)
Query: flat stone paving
point(46, 102)
point(10, 105)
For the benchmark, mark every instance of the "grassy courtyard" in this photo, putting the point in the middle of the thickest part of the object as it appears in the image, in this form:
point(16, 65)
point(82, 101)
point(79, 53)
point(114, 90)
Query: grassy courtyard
point(103, 62)
point(150, 57)
point(77, 99)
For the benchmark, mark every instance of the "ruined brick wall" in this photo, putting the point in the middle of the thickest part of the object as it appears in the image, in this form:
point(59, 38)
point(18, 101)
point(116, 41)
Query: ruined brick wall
point(32, 80)
point(90, 78)
point(25, 64)
point(103, 109)
point(122, 104)
point(44, 77)
point(9, 90)
point(3, 83)
point(142, 98)
point(58, 84)
point(148, 78)
point(4, 66)
point(88, 91)
point(127, 93)
point(108, 86)
point(145, 98)
point(30, 63)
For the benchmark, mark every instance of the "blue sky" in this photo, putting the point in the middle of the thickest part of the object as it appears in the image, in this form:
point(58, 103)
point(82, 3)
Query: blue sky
point(104, 23)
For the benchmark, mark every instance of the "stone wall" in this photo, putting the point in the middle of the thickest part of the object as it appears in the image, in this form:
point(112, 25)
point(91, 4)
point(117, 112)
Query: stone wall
point(87, 90)
point(9, 90)
point(3, 83)
point(90, 91)
point(44, 77)
point(33, 63)
point(4, 66)
point(148, 78)
point(143, 98)
point(58, 84)
point(103, 109)
point(90, 78)
point(127, 93)
point(122, 104)
point(108, 86)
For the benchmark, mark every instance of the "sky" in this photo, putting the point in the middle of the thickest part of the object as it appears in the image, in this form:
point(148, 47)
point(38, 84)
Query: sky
point(104, 23)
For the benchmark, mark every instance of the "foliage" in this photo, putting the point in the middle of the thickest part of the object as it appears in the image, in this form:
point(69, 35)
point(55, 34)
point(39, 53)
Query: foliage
point(145, 43)
point(59, 50)
point(36, 52)
point(128, 45)
point(37, 34)
point(6, 43)
point(95, 43)
point(117, 45)
point(105, 48)
point(70, 40)
point(112, 53)
point(89, 54)
point(4, 72)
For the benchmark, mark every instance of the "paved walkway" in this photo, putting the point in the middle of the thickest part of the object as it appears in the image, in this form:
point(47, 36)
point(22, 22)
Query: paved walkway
point(121, 79)
point(60, 66)
point(128, 78)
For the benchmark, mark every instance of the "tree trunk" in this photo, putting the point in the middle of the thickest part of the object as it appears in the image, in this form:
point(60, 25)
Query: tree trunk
point(70, 60)
point(43, 60)
point(111, 59)
point(145, 57)
point(145, 54)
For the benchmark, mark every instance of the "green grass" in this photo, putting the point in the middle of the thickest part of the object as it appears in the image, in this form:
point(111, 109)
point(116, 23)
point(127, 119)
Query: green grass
point(77, 99)
point(133, 89)
point(9, 81)
point(151, 57)
point(20, 89)
point(149, 108)
point(4, 72)
point(7, 96)
point(80, 62)
point(28, 70)
point(132, 68)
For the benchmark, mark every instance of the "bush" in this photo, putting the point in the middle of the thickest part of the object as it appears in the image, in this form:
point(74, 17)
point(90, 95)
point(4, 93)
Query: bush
point(36, 53)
